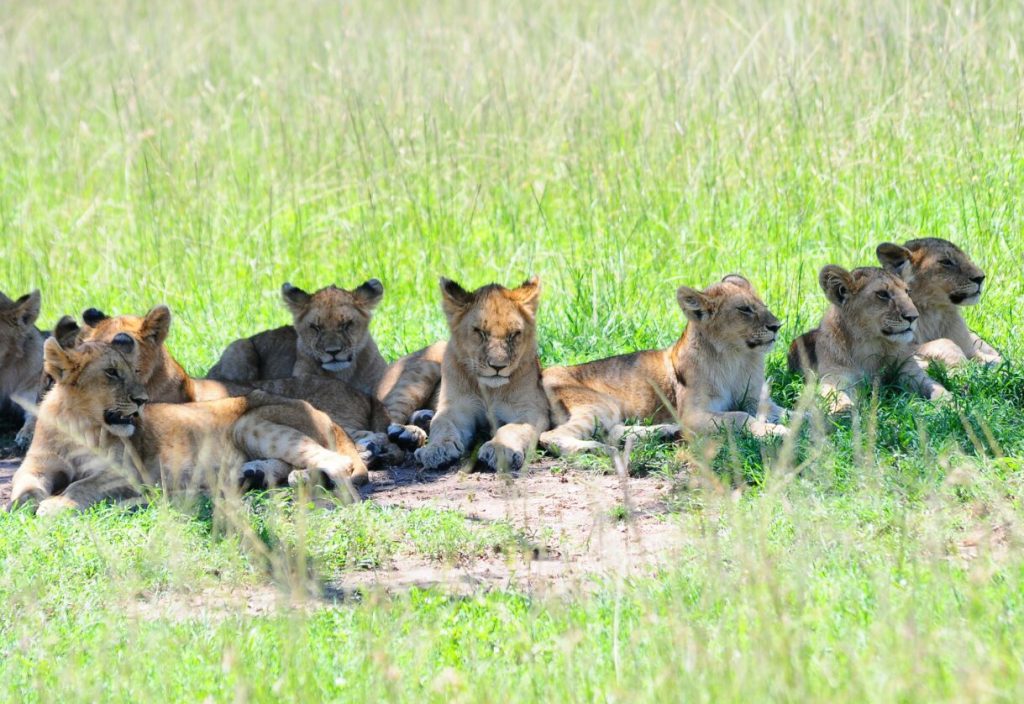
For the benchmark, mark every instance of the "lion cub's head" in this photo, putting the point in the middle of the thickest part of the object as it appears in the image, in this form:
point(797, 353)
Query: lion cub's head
point(146, 335)
point(333, 324)
point(872, 303)
point(731, 314)
point(17, 321)
point(493, 328)
point(98, 381)
point(938, 272)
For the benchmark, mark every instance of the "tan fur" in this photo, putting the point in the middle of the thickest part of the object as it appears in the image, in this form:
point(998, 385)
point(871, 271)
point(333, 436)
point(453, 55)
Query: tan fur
point(867, 332)
point(490, 378)
point(942, 278)
point(95, 439)
point(330, 337)
point(712, 377)
point(21, 357)
point(362, 416)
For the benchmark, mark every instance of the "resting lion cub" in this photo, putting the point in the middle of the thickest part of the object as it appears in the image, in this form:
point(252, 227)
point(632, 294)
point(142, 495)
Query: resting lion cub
point(96, 439)
point(21, 357)
point(330, 337)
point(362, 416)
point(712, 377)
point(941, 279)
point(490, 379)
point(867, 332)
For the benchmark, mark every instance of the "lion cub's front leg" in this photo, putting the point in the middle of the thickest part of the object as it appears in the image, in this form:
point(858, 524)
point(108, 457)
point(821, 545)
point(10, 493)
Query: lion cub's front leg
point(984, 352)
point(451, 432)
point(919, 380)
point(507, 450)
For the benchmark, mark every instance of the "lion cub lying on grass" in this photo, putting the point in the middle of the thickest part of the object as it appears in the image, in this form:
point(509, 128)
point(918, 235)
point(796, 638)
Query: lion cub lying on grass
point(711, 378)
point(490, 378)
point(330, 337)
point(941, 279)
point(97, 439)
point(362, 416)
point(21, 358)
point(867, 332)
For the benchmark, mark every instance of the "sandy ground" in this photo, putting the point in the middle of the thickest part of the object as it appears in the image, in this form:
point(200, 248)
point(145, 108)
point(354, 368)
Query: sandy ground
point(579, 527)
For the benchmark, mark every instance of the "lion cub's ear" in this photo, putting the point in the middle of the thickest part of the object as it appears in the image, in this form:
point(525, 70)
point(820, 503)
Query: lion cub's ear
point(894, 258)
point(57, 362)
point(737, 280)
point(527, 295)
point(157, 324)
point(694, 303)
point(66, 331)
point(369, 293)
point(454, 298)
point(295, 298)
point(836, 282)
point(93, 316)
point(27, 308)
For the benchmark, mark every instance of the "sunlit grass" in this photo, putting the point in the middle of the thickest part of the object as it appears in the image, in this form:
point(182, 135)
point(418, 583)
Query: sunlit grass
point(201, 154)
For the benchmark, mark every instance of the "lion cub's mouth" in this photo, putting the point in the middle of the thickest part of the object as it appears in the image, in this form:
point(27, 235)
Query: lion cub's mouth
point(907, 332)
point(965, 299)
point(337, 365)
point(754, 344)
point(120, 424)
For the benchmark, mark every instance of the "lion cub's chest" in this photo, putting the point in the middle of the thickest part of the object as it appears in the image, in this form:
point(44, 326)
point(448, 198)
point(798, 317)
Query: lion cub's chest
point(727, 386)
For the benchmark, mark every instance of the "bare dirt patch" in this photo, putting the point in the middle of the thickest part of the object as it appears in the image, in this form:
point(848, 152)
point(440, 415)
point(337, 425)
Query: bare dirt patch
point(578, 527)
point(581, 525)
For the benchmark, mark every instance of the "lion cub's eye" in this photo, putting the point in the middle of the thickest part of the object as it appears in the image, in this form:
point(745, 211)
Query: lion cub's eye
point(746, 310)
point(112, 373)
point(948, 263)
point(513, 336)
point(316, 328)
point(480, 333)
point(884, 296)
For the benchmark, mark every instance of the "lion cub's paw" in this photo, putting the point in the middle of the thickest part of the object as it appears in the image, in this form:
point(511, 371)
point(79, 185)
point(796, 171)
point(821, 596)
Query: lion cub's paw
point(762, 429)
point(439, 455)
point(407, 437)
point(55, 505)
point(939, 393)
point(499, 458)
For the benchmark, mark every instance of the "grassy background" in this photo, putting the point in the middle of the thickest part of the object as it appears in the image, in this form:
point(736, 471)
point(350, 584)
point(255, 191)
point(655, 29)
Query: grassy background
point(200, 154)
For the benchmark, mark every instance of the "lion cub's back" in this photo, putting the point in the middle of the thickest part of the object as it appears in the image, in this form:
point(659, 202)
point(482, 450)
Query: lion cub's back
point(270, 354)
point(637, 381)
point(183, 438)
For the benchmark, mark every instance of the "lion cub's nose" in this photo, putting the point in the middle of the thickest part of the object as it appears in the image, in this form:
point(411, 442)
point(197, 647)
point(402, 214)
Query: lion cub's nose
point(978, 279)
point(139, 400)
point(774, 327)
point(497, 367)
point(909, 318)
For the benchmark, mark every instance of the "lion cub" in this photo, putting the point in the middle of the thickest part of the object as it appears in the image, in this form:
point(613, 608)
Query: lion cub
point(97, 437)
point(330, 337)
point(21, 357)
point(867, 332)
point(362, 416)
point(712, 377)
point(941, 279)
point(490, 378)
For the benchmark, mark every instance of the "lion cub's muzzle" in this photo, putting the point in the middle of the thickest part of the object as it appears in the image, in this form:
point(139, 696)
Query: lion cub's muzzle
point(766, 338)
point(336, 360)
point(903, 330)
point(969, 297)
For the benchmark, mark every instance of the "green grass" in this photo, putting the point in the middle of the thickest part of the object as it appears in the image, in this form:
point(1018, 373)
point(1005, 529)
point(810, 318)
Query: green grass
point(201, 154)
